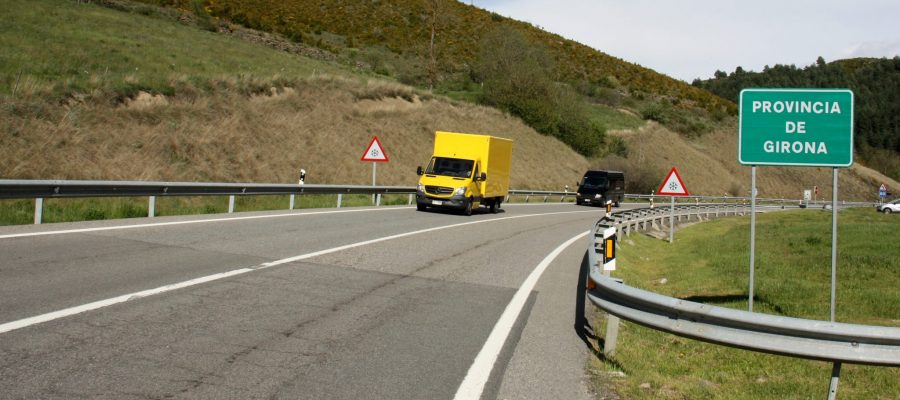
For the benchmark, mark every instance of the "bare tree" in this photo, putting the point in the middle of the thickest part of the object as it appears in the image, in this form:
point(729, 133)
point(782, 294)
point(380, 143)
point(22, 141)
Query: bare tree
point(437, 19)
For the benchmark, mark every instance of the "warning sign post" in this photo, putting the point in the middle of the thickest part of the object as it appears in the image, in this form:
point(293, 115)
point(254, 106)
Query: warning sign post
point(672, 186)
point(374, 153)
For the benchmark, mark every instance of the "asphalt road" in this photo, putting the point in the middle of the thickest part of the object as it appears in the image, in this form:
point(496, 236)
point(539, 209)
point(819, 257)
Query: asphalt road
point(385, 303)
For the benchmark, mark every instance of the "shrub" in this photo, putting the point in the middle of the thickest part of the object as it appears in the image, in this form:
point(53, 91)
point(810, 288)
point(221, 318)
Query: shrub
point(516, 75)
point(640, 178)
point(204, 20)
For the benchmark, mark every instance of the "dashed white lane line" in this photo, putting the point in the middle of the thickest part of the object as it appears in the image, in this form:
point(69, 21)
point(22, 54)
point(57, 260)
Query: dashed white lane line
point(477, 376)
point(26, 322)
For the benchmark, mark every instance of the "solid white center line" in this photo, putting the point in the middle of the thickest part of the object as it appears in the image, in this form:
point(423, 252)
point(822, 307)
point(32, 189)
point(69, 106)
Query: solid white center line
point(25, 322)
point(473, 384)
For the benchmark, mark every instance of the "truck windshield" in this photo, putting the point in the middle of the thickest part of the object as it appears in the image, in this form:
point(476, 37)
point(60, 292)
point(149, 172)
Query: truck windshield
point(454, 167)
point(595, 181)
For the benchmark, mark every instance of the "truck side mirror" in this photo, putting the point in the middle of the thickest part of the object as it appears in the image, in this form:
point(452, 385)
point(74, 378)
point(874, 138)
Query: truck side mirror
point(483, 176)
point(419, 171)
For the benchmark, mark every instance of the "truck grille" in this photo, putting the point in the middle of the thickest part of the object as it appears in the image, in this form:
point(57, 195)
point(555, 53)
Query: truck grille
point(438, 190)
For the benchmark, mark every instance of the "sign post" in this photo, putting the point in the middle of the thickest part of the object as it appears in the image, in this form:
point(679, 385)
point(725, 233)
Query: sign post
point(672, 186)
point(797, 127)
point(374, 153)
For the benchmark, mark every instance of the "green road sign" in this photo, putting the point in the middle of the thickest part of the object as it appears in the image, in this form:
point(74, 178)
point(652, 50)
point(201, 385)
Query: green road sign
point(799, 127)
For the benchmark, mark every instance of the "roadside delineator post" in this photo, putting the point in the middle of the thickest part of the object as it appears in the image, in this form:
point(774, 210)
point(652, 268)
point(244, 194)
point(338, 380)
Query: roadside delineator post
point(608, 248)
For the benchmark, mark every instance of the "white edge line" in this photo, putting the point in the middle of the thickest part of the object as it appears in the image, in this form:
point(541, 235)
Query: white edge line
point(198, 221)
point(22, 323)
point(472, 386)
point(209, 220)
point(25, 322)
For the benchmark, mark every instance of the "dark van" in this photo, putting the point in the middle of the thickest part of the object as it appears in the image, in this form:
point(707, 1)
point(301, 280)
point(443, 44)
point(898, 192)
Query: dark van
point(596, 187)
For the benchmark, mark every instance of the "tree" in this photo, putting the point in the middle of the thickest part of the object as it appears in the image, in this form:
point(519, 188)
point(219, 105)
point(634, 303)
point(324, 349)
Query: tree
point(438, 18)
point(515, 74)
point(432, 64)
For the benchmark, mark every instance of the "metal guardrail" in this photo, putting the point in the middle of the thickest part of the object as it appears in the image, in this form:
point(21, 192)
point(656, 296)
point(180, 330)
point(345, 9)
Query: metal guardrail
point(759, 200)
point(17, 189)
point(10, 189)
point(811, 339)
point(40, 189)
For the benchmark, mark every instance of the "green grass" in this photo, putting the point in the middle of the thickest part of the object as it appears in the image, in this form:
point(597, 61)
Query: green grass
point(610, 118)
point(710, 261)
point(21, 212)
point(124, 52)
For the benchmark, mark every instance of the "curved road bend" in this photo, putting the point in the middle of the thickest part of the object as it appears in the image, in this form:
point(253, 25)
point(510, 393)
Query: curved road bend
point(329, 304)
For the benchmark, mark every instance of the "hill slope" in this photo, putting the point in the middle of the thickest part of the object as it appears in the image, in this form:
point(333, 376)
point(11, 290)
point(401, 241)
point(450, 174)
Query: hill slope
point(259, 114)
point(404, 27)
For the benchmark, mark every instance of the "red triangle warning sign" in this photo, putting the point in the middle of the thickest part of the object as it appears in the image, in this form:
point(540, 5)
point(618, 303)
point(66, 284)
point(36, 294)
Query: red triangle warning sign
point(374, 152)
point(673, 185)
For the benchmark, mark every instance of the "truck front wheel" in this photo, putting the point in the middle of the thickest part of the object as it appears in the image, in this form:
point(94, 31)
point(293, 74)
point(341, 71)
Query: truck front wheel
point(495, 204)
point(468, 210)
point(421, 207)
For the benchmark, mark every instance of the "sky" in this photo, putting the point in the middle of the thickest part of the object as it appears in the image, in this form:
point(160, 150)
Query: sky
point(688, 39)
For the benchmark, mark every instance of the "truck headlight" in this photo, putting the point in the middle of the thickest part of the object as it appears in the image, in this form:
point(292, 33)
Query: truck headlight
point(420, 188)
point(598, 196)
point(460, 191)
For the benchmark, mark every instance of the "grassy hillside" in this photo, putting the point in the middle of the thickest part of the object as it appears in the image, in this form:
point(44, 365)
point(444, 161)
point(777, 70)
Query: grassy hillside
point(95, 93)
point(143, 93)
point(446, 46)
point(404, 28)
point(72, 51)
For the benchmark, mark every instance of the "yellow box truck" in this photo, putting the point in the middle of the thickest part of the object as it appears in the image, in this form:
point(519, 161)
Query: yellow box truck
point(466, 171)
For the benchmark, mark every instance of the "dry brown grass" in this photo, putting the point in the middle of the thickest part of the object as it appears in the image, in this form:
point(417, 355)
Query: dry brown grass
point(322, 125)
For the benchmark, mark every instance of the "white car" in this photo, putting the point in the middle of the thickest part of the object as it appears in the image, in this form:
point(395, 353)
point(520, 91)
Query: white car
point(891, 207)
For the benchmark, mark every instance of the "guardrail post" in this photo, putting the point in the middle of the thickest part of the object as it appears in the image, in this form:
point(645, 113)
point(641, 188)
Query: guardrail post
point(377, 199)
point(151, 207)
point(612, 335)
point(545, 199)
point(835, 375)
point(340, 197)
point(527, 197)
point(230, 204)
point(612, 332)
point(291, 205)
point(409, 202)
point(38, 210)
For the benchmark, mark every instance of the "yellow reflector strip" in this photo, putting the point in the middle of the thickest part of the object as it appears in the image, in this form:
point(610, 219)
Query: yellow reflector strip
point(610, 249)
